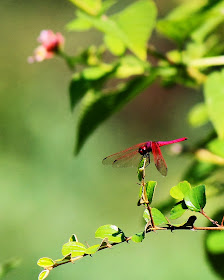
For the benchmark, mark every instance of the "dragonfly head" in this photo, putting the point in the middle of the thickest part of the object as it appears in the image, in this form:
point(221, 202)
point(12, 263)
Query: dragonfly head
point(145, 149)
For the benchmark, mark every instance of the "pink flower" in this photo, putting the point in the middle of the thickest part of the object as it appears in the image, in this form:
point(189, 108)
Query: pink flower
point(50, 42)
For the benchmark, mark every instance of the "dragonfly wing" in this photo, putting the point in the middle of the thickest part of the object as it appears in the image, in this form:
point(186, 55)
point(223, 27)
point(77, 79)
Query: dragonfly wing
point(130, 160)
point(158, 159)
point(128, 153)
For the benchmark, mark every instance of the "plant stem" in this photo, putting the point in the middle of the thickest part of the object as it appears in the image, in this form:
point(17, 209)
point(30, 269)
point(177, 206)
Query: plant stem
point(210, 219)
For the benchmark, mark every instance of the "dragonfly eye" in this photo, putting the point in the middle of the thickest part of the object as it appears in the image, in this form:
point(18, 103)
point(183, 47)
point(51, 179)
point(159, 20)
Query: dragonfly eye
point(142, 150)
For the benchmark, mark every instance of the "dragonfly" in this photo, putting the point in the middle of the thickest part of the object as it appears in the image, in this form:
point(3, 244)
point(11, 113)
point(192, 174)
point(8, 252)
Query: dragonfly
point(132, 156)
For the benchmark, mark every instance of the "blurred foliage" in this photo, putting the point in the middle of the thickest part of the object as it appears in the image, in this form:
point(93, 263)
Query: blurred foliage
point(45, 192)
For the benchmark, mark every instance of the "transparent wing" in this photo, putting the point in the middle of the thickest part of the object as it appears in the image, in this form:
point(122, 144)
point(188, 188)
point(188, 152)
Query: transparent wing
point(127, 158)
point(158, 159)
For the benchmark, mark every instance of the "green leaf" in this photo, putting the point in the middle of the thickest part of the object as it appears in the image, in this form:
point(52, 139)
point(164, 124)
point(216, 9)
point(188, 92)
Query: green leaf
point(214, 99)
point(93, 249)
point(150, 188)
point(179, 191)
point(199, 192)
point(98, 107)
point(114, 44)
point(178, 210)
point(43, 275)
point(195, 198)
point(214, 17)
point(112, 232)
point(133, 33)
point(198, 115)
point(92, 7)
point(217, 147)
point(78, 88)
point(158, 217)
point(214, 246)
point(179, 24)
point(75, 248)
point(136, 23)
point(138, 237)
point(45, 262)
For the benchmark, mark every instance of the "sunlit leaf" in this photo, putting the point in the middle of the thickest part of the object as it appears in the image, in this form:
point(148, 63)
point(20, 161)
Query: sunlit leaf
point(78, 24)
point(138, 237)
point(98, 107)
point(133, 33)
point(91, 7)
point(179, 191)
point(178, 210)
point(214, 98)
point(75, 248)
point(111, 232)
point(114, 44)
point(136, 23)
point(43, 275)
point(45, 262)
point(93, 249)
point(198, 115)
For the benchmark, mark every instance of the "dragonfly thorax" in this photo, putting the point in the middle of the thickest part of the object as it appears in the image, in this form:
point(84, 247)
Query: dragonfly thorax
point(145, 149)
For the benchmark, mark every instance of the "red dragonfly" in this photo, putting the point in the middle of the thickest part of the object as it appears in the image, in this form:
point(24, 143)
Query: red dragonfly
point(132, 156)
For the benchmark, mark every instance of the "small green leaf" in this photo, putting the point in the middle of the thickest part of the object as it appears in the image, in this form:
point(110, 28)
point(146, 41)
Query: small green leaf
point(179, 191)
point(178, 210)
point(214, 99)
point(112, 232)
point(138, 237)
point(158, 217)
point(92, 7)
point(150, 188)
point(43, 275)
point(75, 248)
point(217, 147)
point(45, 262)
point(198, 115)
point(73, 238)
point(93, 249)
point(199, 192)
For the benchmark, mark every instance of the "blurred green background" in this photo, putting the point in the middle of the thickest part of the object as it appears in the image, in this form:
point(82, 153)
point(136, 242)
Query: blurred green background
point(47, 194)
